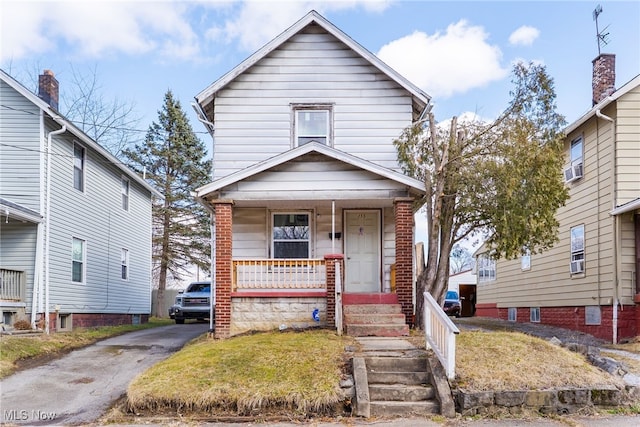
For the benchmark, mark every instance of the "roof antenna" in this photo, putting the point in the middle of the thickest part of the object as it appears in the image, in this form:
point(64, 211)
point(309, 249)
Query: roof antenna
point(601, 36)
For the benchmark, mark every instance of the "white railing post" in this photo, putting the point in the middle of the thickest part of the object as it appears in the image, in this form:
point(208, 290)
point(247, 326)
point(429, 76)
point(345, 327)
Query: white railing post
point(440, 334)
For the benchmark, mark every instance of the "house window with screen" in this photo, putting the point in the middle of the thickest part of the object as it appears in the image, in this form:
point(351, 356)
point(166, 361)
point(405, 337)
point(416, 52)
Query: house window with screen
point(78, 167)
point(125, 194)
point(124, 269)
point(291, 235)
point(312, 124)
point(574, 170)
point(486, 268)
point(525, 260)
point(577, 249)
point(77, 260)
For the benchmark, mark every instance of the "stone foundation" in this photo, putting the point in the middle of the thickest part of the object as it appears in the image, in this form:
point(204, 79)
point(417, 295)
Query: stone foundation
point(268, 313)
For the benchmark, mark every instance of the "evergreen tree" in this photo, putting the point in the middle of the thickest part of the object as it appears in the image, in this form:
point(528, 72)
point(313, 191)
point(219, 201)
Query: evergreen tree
point(501, 180)
point(172, 158)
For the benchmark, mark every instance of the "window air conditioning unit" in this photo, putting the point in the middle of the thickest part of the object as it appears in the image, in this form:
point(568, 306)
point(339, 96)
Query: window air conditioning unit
point(573, 172)
point(577, 266)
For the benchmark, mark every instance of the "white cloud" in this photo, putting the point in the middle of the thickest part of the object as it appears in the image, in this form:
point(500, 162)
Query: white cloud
point(93, 29)
point(260, 21)
point(524, 36)
point(446, 64)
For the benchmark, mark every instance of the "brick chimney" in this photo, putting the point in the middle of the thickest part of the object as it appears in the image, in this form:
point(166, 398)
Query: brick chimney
point(604, 76)
point(48, 88)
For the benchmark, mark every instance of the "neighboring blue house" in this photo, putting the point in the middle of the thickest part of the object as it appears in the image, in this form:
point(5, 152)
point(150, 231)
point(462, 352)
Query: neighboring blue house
point(75, 228)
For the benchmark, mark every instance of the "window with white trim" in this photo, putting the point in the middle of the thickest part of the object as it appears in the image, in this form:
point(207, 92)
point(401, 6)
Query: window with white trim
point(486, 268)
point(534, 314)
point(124, 264)
point(312, 123)
point(291, 235)
point(125, 193)
point(78, 166)
point(574, 169)
point(512, 314)
point(77, 260)
point(577, 250)
point(525, 260)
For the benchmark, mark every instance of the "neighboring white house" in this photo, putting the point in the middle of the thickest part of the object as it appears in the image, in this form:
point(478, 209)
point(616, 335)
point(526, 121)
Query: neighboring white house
point(306, 182)
point(75, 233)
point(464, 283)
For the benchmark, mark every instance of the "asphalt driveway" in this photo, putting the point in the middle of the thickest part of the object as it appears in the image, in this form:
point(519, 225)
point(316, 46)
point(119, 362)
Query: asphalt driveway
point(79, 387)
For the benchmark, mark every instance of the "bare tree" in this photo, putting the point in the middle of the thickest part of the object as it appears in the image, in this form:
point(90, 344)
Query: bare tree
point(460, 260)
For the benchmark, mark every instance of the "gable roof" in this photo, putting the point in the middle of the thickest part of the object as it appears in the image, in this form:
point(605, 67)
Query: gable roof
point(421, 100)
point(312, 147)
point(630, 85)
point(75, 131)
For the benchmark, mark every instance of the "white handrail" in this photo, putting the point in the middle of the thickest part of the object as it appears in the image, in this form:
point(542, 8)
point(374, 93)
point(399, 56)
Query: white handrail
point(440, 334)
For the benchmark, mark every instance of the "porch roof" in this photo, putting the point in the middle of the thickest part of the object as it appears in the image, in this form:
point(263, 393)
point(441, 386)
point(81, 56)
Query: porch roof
point(19, 212)
point(412, 185)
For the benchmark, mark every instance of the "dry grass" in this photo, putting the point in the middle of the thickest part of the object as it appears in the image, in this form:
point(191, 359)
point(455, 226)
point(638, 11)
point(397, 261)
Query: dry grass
point(298, 372)
point(515, 361)
point(16, 350)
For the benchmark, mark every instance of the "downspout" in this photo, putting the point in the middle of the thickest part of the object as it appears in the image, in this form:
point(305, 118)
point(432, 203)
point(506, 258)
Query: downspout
point(48, 228)
point(615, 224)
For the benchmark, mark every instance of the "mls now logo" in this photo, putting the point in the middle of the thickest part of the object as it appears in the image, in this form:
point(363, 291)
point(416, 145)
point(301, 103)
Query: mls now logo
point(24, 415)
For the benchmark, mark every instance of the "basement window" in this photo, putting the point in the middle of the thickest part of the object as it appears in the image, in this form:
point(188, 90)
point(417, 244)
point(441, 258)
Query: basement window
point(534, 314)
point(512, 314)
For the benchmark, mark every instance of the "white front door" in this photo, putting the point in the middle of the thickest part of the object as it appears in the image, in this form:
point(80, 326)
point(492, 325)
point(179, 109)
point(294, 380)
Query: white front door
point(362, 251)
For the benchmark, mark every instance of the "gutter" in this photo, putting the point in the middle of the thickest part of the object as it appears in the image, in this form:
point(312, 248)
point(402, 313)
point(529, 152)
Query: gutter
point(616, 233)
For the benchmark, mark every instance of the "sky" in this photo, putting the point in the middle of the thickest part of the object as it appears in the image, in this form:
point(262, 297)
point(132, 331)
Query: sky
point(460, 53)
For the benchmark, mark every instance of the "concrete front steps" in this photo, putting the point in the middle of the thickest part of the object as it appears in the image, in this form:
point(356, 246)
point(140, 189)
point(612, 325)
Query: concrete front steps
point(394, 378)
point(378, 315)
point(400, 386)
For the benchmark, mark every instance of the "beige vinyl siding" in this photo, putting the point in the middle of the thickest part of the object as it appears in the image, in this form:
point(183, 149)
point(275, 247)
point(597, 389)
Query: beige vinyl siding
point(549, 283)
point(250, 233)
point(21, 149)
point(627, 258)
point(253, 114)
point(96, 216)
point(628, 147)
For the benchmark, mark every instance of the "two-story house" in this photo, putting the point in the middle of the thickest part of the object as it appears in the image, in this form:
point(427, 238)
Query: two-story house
point(310, 208)
point(75, 234)
point(589, 281)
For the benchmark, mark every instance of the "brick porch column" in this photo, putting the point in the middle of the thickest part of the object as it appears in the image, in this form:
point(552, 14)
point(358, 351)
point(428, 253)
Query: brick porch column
point(330, 268)
point(404, 255)
point(224, 235)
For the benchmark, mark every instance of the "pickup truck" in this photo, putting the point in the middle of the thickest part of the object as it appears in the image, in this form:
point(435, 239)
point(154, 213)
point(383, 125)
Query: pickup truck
point(192, 303)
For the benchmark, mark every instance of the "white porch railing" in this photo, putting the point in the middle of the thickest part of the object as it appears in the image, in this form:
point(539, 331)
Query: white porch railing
point(12, 283)
point(440, 334)
point(279, 274)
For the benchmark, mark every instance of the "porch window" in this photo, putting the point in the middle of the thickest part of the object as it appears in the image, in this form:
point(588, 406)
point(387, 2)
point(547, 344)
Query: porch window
point(77, 260)
point(291, 235)
point(78, 167)
point(312, 123)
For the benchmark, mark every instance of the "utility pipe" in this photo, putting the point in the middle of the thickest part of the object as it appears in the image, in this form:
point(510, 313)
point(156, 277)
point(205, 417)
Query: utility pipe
point(616, 237)
point(48, 228)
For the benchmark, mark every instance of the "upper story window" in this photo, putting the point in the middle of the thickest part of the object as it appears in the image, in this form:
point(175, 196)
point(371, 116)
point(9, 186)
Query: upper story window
point(486, 268)
point(77, 260)
point(577, 249)
point(574, 169)
point(291, 235)
point(312, 123)
point(124, 270)
point(125, 194)
point(78, 166)
point(525, 260)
